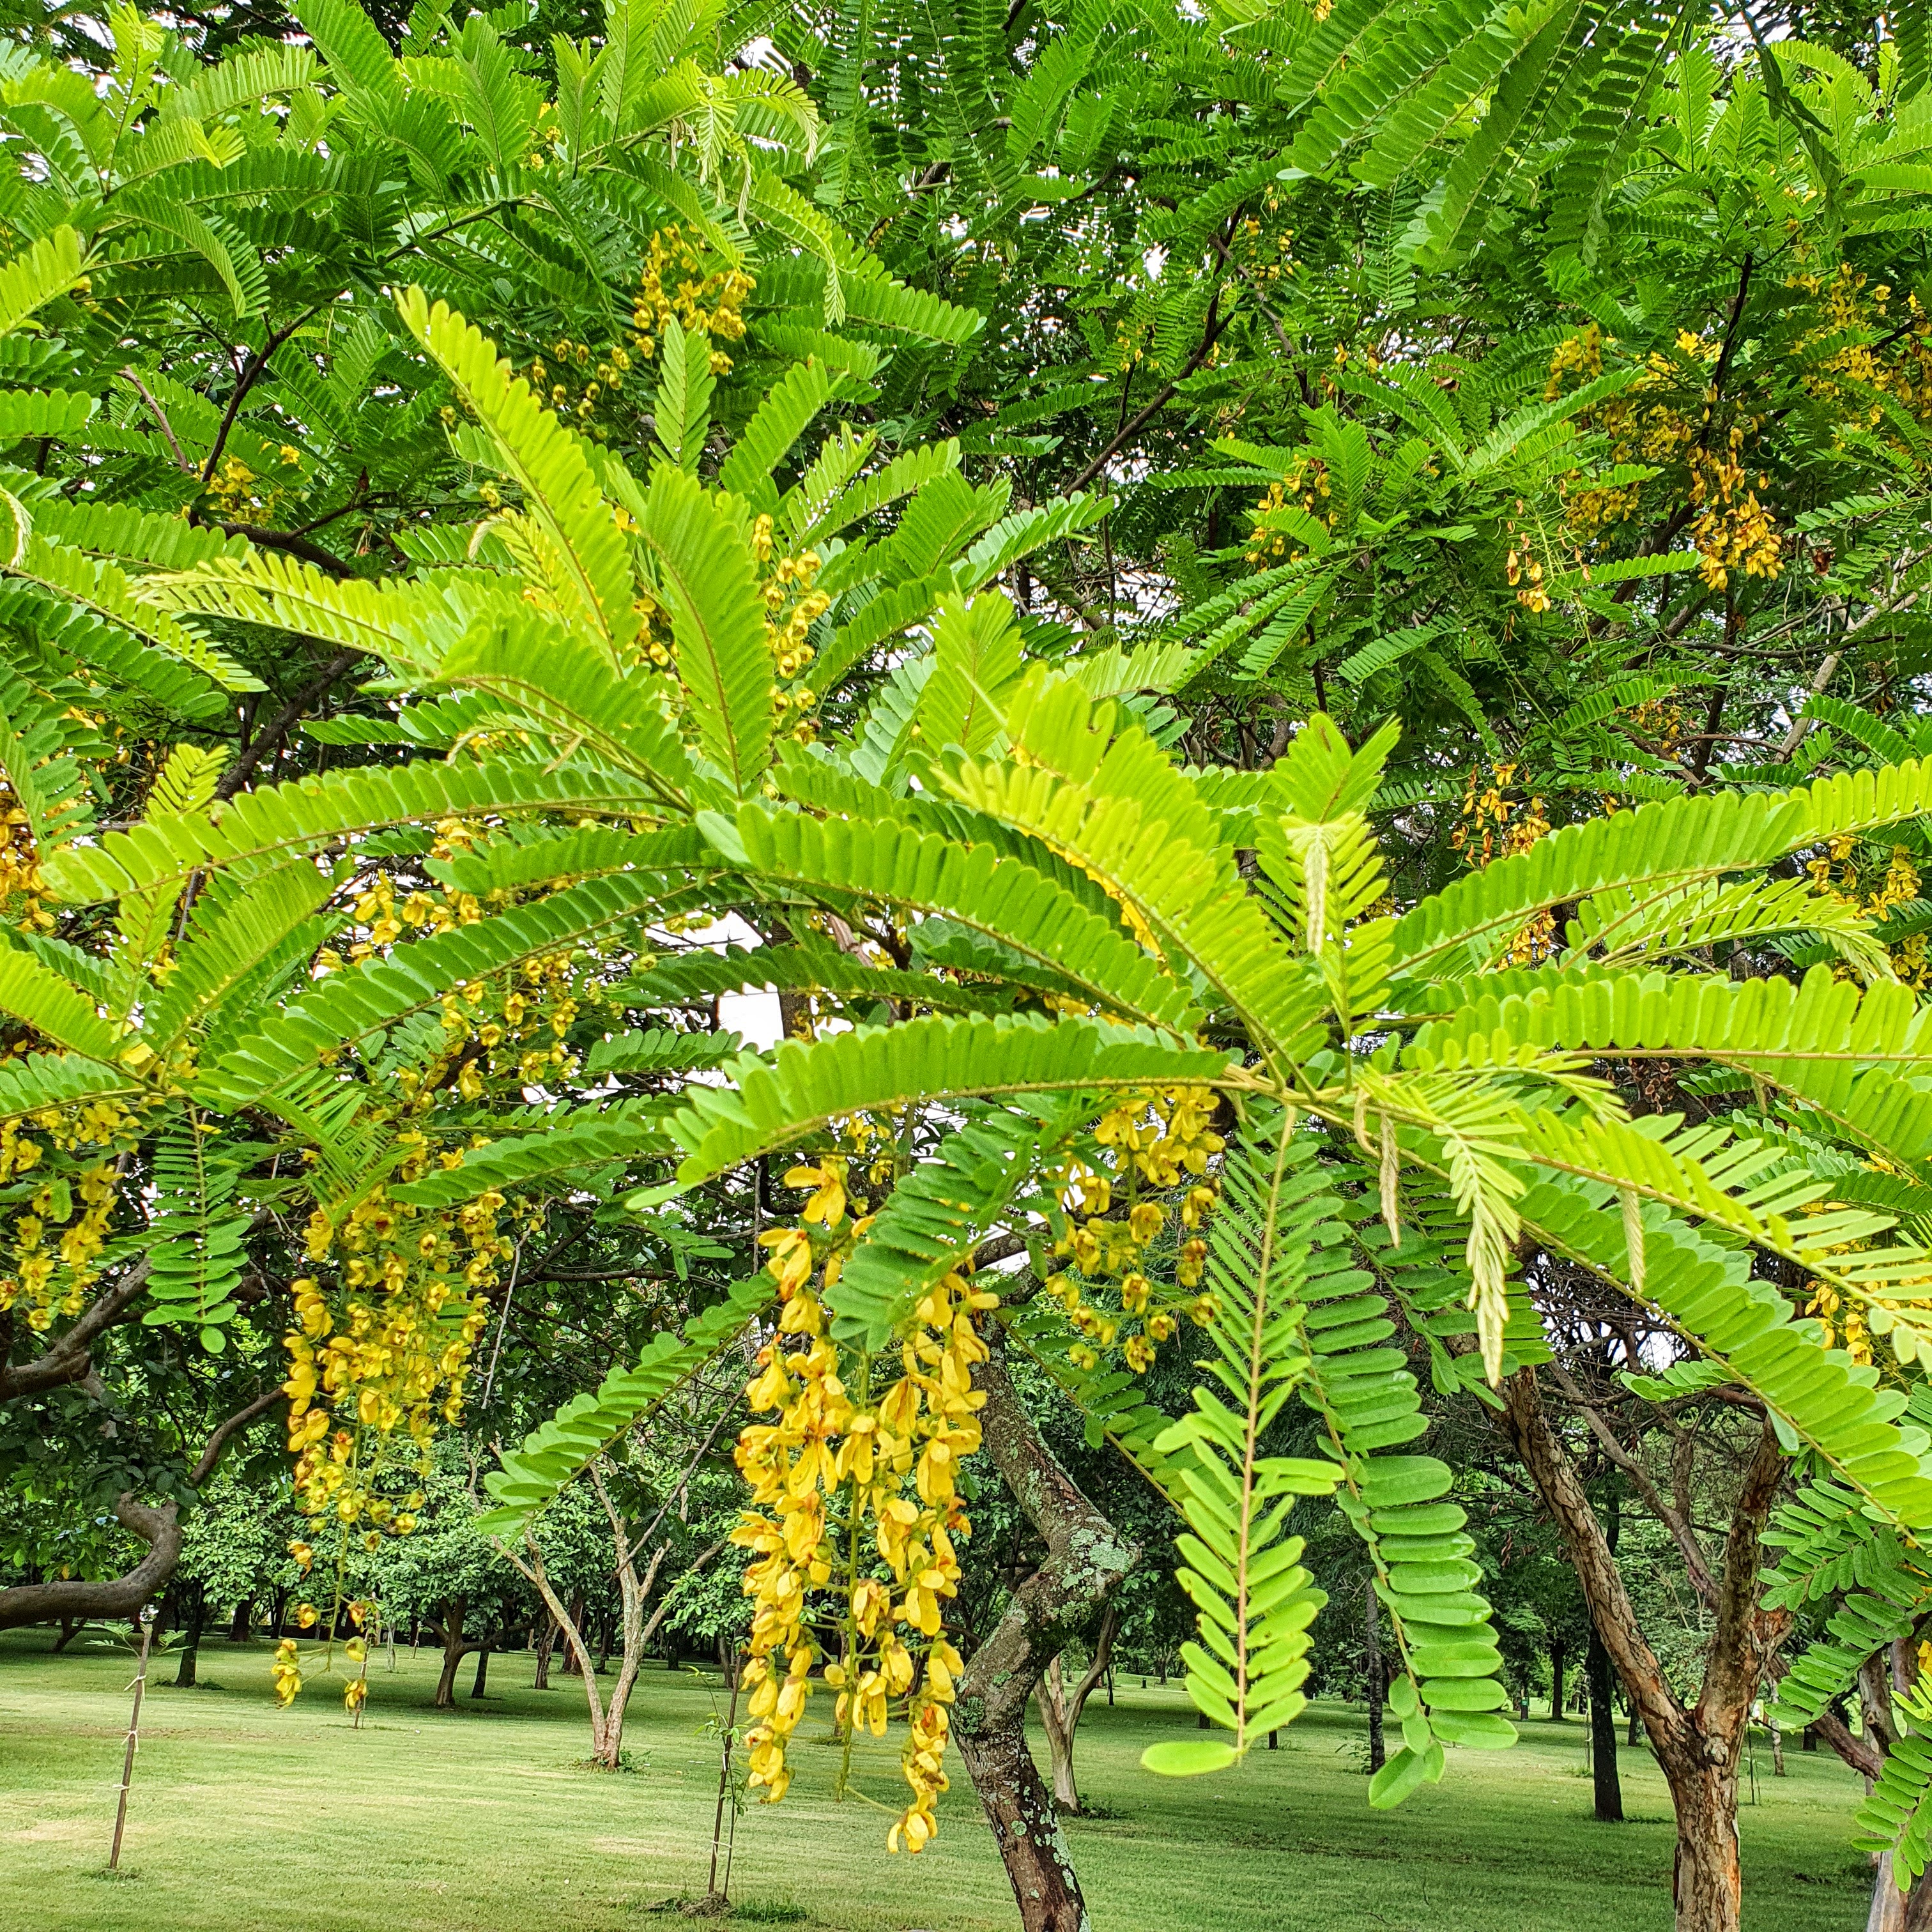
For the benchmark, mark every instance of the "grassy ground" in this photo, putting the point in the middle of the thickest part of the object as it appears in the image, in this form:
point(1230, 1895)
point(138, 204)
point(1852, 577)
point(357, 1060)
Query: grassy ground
point(484, 1820)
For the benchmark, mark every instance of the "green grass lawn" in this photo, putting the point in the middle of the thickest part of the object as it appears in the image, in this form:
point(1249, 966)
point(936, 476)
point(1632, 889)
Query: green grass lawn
point(244, 1818)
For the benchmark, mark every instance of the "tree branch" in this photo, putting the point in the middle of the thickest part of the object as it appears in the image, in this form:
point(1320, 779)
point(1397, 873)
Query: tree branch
point(272, 732)
point(66, 1360)
point(1561, 1489)
point(211, 1452)
point(291, 541)
point(116, 1597)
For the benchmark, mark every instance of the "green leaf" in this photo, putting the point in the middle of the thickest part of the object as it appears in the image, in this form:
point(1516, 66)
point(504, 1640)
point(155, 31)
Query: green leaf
point(1404, 1773)
point(1188, 1757)
point(36, 276)
point(705, 568)
point(549, 463)
point(54, 1009)
point(781, 419)
point(976, 663)
point(681, 408)
point(771, 1106)
point(555, 1455)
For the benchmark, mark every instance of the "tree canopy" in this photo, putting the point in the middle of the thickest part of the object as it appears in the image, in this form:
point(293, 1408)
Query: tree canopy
point(1290, 635)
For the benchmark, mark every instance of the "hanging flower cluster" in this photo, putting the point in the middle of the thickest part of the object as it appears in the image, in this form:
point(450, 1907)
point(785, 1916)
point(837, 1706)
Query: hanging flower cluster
point(1874, 348)
point(1876, 880)
point(285, 1669)
point(1306, 488)
point(1493, 826)
point(1664, 419)
point(20, 867)
point(579, 381)
point(792, 606)
point(704, 296)
point(1151, 1140)
point(1733, 530)
point(57, 1241)
point(378, 1363)
point(846, 1483)
point(237, 493)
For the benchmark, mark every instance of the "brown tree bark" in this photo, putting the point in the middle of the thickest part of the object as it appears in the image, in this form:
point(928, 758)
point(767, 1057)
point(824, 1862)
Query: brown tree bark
point(1697, 1748)
point(1892, 1910)
point(191, 1630)
point(1060, 1711)
point(1086, 1559)
point(606, 1716)
point(545, 1645)
point(455, 1650)
point(155, 1524)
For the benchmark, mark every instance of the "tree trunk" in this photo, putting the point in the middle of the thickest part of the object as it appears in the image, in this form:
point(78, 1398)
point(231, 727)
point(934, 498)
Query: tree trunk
point(1559, 1656)
point(197, 1616)
point(1086, 1559)
point(1698, 1748)
point(545, 1645)
point(453, 1649)
point(606, 1719)
point(482, 1666)
point(1374, 1682)
point(1892, 1911)
point(1609, 1787)
point(238, 1631)
point(1705, 1884)
point(1060, 1711)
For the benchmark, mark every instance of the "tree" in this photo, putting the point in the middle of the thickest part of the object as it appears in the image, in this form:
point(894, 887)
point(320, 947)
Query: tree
point(661, 1536)
point(376, 818)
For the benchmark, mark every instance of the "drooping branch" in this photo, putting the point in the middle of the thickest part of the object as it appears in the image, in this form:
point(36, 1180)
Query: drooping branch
point(67, 1359)
point(158, 1524)
point(113, 1597)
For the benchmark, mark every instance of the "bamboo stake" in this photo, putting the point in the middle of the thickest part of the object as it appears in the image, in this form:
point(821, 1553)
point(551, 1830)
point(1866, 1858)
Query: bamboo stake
point(133, 1735)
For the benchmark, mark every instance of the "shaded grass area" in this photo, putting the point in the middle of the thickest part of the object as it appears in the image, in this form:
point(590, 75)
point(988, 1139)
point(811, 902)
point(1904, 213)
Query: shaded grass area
point(484, 1819)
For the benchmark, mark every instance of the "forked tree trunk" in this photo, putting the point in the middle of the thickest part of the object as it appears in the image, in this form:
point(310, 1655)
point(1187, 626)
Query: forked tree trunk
point(1086, 1559)
point(1060, 1711)
point(1698, 1749)
point(454, 1650)
point(607, 1717)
